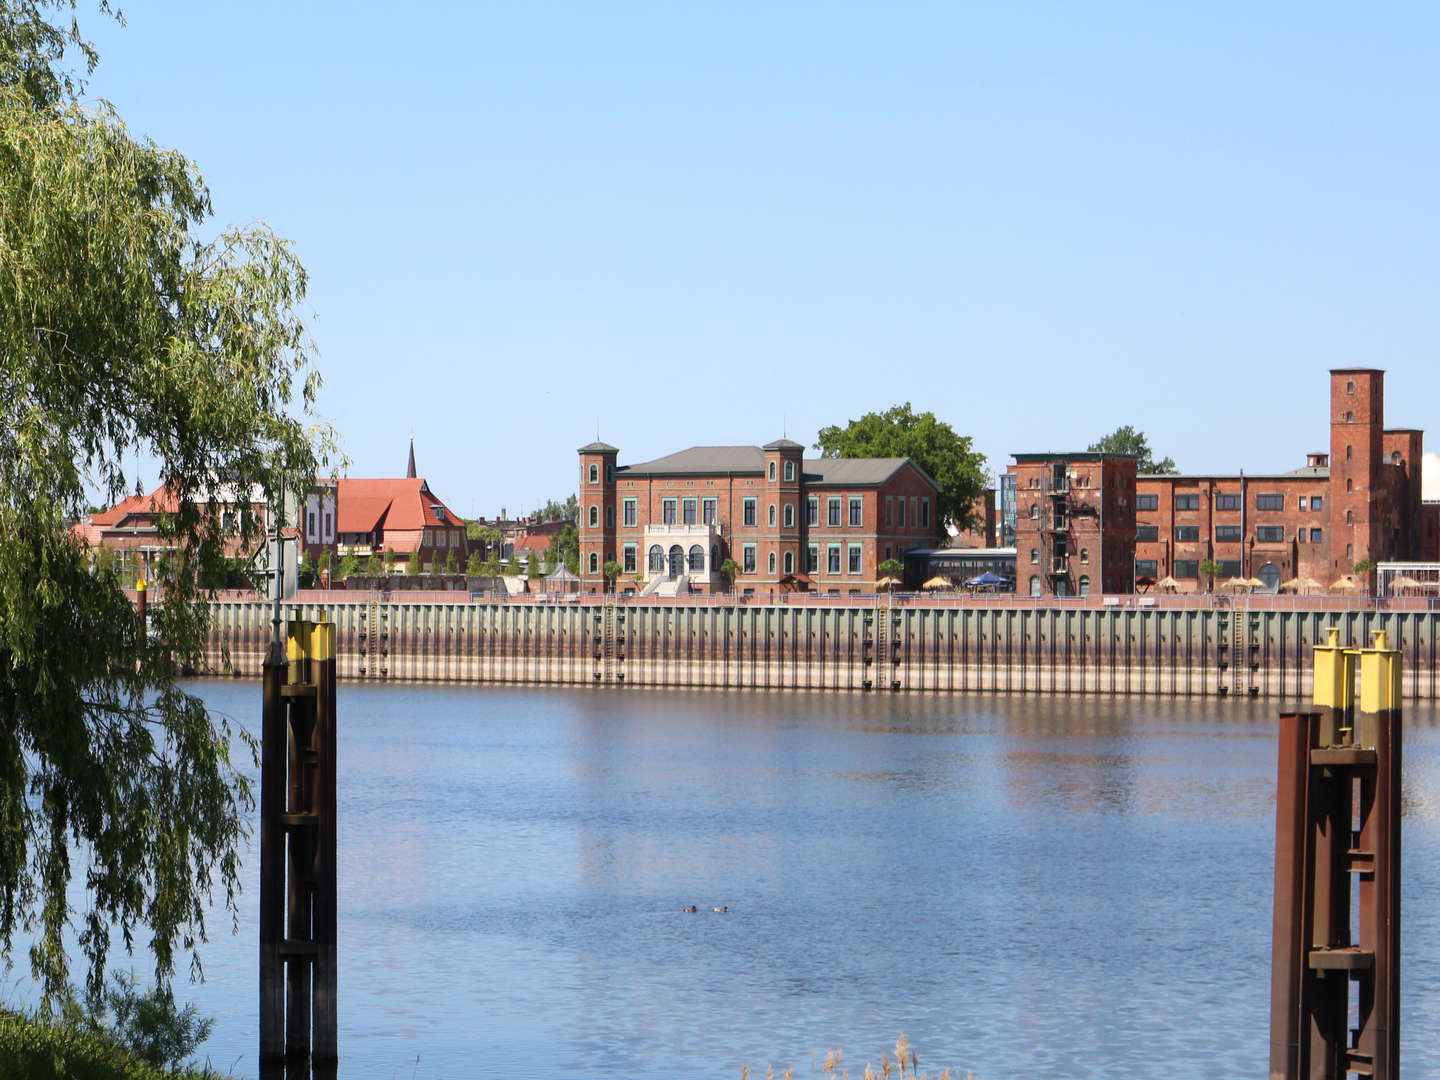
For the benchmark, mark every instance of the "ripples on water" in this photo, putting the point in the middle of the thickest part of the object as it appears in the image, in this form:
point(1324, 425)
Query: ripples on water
point(1028, 887)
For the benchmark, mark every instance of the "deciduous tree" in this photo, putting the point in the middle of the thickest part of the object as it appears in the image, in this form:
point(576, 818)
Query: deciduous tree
point(957, 469)
point(1126, 440)
point(122, 331)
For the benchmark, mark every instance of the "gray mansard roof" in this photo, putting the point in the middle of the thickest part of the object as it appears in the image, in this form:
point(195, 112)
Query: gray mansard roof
point(849, 472)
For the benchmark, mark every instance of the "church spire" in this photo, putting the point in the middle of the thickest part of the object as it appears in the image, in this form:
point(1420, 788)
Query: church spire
point(410, 468)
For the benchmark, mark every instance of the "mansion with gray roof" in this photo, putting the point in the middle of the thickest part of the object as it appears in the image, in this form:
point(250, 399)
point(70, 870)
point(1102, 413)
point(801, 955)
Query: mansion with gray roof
point(789, 522)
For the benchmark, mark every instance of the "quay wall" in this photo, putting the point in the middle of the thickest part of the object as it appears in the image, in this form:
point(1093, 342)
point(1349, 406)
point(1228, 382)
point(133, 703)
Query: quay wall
point(860, 647)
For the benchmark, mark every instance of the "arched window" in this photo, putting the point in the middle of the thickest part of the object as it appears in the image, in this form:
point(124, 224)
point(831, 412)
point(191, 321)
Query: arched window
point(1349, 452)
point(697, 559)
point(1396, 459)
point(1349, 416)
point(1349, 517)
point(789, 562)
point(789, 471)
point(594, 562)
point(772, 470)
point(657, 559)
point(594, 516)
point(1034, 511)
point(1084, 585)
point(771, 562)
point(677, 560)
point(789, 514)
point(1084, 555)
point(1270, 575)
point(772, 513)
point(594, 474)
point(1034, 585)
point(1350, 387)
point(1035, 556)
point(1349, 484)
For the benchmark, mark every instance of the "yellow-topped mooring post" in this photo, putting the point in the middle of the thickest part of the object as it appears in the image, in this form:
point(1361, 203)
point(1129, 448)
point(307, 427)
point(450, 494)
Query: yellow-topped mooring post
point(298, 901)
point(1336, 765)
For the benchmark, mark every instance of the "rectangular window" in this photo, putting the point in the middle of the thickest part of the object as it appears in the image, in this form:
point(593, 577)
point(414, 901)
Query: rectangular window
point(1269, 502)
point(1146, 534)
point(629, 562)
point(1187, 532)
point(857, 511)
point(855, 550)
point(832, 558)
point(1189, 501)
point(629, 512)
point(900, 510)
point(1187, 568)
point(1317, 502)
point(687, 511)
point(1145, 568)
point(1317, 536)
point(747, 512)
point(310, 525)
point(889, 509)
point(667, 511)
point(925, 513)
point(707, 511)
point(1227, 501)
point(812, 559)
point(1229, 568)
point(812, 511)
point(1147, 502)
point(1303, 502)
point(749, 558)
point(832, 511)
point(1270, 534)
point(1228, 533)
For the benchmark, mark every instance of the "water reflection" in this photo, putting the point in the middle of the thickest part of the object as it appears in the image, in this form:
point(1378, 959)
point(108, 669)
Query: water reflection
point(1030, 887)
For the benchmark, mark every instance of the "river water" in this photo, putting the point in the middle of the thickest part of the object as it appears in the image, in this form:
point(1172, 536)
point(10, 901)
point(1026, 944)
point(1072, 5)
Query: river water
point(1029, 888)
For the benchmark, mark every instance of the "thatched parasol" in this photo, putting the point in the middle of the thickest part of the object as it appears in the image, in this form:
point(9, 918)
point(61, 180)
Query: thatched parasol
point(1302, 585)
point(1237, 583)
point(1256, 583)
point(938, 582)
point(1404, 582)
point(1345, 584)
point(1169, 584)
point(887, 583)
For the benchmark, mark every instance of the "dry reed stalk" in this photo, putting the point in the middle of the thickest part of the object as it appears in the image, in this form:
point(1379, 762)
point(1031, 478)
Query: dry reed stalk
point(902, 1051)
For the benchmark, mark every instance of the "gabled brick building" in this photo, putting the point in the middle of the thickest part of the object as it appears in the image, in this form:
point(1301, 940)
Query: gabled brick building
point(790, 522)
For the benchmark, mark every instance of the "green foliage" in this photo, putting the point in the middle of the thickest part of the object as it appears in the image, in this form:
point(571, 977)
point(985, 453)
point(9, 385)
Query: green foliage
point(412, 565)
point(124, 335)
point(306, 572)
point(892, 568)
point(349, 565)
point(732, 571)
point(1126, 440)
point(491, 566)
point(484, 534)
point(565, 548)
point(958, 471)
point(146, 1023)
point(474, 564)
point(569, 510)
point(452, 560)
point(512, 568)
point(1211, 570)
point(532, 563)
point(1364, 566)
point(390, 558)
point(323, 565)
point(613, 570)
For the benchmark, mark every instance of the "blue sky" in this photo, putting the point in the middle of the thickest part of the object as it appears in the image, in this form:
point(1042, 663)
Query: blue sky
point(711, 222)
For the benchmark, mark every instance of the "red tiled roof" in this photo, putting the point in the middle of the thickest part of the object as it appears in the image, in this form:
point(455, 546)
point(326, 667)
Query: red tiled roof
point(401, 503)
point(163, 499)
point(533, 543)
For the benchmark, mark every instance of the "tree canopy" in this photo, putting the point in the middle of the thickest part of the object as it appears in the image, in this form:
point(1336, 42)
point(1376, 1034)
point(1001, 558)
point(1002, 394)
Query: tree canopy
point(555, 510)
point(122, 332)
point(1126, 440)
point(946, 456)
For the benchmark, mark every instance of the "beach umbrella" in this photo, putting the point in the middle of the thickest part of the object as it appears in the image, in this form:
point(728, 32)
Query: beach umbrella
point(1302, 585)
point(1167, 583)
point(986, 580)
point(887, 583)
point(1345, 584)
point(1404, 582)
point(938, 583)
point(1236, 583)
point(1256, 583)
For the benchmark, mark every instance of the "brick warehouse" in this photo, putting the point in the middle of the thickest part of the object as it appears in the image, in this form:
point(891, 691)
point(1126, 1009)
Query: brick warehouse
point(1361, 501)
point(1074, 523)
point(819, 525)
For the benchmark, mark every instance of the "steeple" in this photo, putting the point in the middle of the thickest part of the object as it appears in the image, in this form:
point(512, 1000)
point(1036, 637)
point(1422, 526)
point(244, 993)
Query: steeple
point(410, 469)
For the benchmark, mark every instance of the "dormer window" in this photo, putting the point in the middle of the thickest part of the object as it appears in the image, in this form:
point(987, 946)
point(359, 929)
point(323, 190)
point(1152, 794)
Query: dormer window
point(439, 512)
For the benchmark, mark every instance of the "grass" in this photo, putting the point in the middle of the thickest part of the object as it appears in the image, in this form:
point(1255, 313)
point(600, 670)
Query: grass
point(38, 1050)
point(905, 1065)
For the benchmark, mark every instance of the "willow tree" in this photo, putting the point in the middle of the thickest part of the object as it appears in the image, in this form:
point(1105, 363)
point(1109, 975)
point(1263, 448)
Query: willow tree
point(124, 332)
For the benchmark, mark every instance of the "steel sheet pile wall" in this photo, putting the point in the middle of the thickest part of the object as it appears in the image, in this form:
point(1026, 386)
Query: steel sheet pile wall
point(901, 647)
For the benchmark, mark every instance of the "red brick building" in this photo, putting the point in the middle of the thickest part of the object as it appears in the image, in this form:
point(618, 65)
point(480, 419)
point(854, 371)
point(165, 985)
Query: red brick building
point(1074, 523)
point(820, 525)
point(1359, 502)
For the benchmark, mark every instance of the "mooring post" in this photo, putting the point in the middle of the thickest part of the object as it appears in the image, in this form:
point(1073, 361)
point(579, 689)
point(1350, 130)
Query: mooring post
point(1337, 768)
point(297, 857)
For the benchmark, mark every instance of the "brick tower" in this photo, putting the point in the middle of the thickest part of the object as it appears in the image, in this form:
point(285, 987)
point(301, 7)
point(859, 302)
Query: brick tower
point(1359, 510)
point(597, 513)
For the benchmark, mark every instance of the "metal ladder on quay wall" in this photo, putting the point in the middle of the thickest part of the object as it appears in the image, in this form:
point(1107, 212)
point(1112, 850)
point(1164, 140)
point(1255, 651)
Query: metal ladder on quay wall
point(608, 652)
